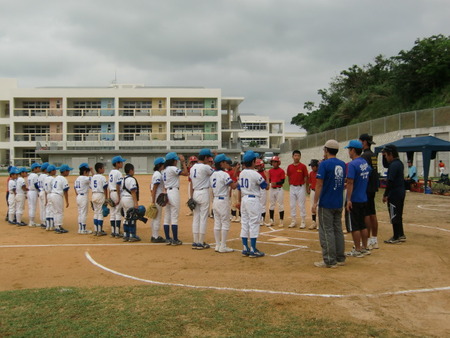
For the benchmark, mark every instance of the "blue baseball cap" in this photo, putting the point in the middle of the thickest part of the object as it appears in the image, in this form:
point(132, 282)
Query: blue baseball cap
point(172, 156)
point(64, 167)
point(13, 170)
point(35, 165)
point(23, 170)
point(249, 156)
point(116, 159)
point(84, 165)
point(159, 160)
point(51, 168)
point(44, 166)
point(354, 144)
point(221, 158)
point(205, 152)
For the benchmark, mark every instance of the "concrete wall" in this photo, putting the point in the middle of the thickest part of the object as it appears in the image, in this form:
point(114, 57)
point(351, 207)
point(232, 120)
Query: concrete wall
point(440, 132)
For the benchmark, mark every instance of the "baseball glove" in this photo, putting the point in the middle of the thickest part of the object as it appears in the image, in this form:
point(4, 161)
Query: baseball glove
point(105, 210)
point(110, 202)
point(152, 211)
point(191, 204)
point(162, 199)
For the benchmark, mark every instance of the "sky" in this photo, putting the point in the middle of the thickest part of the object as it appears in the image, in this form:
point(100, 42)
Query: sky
point(275, 54)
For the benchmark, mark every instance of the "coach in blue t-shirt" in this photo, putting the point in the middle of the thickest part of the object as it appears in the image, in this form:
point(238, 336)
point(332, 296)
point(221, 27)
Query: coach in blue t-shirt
point(357, 180)
point(329, 188)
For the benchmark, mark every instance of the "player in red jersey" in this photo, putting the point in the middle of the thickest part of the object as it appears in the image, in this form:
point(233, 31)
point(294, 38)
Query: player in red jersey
point(298, 187)
point(276, 180)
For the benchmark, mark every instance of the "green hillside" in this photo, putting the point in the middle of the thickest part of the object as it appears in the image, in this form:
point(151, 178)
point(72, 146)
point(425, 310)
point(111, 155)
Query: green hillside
point(412, 80)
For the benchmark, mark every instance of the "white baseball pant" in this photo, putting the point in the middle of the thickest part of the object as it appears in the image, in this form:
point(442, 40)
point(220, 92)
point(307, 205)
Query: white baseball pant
point(250, 217)
point(276, 198)
point(156, 222)
point(201, 211)
point(20, 205)
point(98, 199)
point(173, 207)
point(297, 196)
point(42, 200)
point(32, 203)
point(57, 206)
point(82, 204)
point(11, 207)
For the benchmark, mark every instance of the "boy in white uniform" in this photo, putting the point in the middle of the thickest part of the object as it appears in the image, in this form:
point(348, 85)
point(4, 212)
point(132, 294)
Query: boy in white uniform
point(81, 185)
point(156, 188)
point(59, 193)
point(221, 182)
point(12, 187)
point(114, 186)
point(171, 177)
point(99, 188)
point(42, 194)
point(21, 195)
point(49, 212)
point(199, 175)
point(33, 192)
point(250, 184)
point(130, 199)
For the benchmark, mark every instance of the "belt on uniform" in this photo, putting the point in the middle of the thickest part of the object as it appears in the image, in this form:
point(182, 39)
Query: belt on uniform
point(172, 188)
point(276, 187)
point(113, 190)
point(297, 185)
point(81, 194)
point(220, 197)
point(200, 189)
point(251, 196)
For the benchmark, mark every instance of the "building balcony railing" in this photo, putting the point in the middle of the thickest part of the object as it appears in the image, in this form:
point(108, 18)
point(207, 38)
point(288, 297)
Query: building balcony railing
point(25, 161)
point(37, 112)
point(77, 112)
point(193, 112)
point(142, 136)
point(193, 136)
point(92, 137)
point(142, 112)
point(39, 137)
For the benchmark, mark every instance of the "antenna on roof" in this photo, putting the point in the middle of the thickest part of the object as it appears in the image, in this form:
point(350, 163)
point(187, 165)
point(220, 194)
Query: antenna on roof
point(113, 82)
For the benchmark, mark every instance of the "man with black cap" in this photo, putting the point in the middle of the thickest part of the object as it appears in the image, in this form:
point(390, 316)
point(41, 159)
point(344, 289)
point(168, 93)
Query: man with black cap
point(394, 194)
point(372, 188)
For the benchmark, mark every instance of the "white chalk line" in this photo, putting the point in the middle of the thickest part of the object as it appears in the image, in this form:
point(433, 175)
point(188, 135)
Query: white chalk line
point(421, 226)
point(443, 207)
point(273, 292)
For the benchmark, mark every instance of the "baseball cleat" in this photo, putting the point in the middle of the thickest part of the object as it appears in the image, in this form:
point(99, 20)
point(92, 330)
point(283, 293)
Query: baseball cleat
point(256, 254)
point(245, 253)
point(354, 253)
point(203, 246)
point(134, 239)
point(312, 226)
point(158, 239)
point(176, 242)
point(225, 249)
point(293, 224)
point(392, 241)
point(195, 246)
point(302, 225)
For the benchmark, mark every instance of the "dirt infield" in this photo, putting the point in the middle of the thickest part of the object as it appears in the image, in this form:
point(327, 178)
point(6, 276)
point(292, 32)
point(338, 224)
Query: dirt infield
point(407, 284)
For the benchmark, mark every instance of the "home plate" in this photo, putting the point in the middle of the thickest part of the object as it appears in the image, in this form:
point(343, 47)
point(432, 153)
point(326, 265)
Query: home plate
point(278, 239)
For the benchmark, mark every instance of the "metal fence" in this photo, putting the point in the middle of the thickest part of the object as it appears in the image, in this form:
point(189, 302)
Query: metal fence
point(435, 117)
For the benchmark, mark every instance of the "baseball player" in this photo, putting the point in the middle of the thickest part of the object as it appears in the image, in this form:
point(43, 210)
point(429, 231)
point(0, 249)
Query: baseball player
point(171, 178)
point(192, 160)
point(276, 195)
point(99, 188)
point(130, 199)
point(49, 212)
point(250, 184)
point(221, 182)
point(298, 187)
point(263, 198)
point(33, 192)
point(42, 194)
point(114, 185)
point(60, 188)
point(234, 172)
point(156, 188)
point(21, 195)
point(200, 174)
point(82, 184)
point(12, 188)
point(314, 164)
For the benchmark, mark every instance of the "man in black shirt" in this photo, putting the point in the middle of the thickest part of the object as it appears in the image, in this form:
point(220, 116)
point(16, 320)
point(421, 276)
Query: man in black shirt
point(394, 194)
point(372, 188)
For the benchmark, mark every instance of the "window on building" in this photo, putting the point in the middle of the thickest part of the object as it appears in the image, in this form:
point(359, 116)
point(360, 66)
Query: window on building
point(188, 104)
point(36, 107)
point(87, 104)
point(132, 107)
point(254, 126)
point(137, 131)
point(29, 153)
point(36, 129)
point(259, 141)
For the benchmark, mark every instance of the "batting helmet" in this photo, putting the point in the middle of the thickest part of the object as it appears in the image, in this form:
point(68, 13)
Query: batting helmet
point(275, 159)
point(141, 211)
point(259, 162)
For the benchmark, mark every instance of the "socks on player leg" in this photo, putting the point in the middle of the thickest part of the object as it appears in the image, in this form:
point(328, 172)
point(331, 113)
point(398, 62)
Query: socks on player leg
point(253, 244)
point(271, 214)
point(175, 231)
point(167, 231)
point(245, 243)
point(281, 216)
point(217, 234)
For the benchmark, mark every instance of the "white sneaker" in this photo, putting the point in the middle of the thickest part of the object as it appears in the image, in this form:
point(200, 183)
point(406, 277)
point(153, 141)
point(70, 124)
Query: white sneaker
point(238, 219)
point(375, 243)
point(225, 249)
point(302, 225)
point(233, 219)
point(217, 248)
point(293, 224)
point(312, 226)
point(271, 223)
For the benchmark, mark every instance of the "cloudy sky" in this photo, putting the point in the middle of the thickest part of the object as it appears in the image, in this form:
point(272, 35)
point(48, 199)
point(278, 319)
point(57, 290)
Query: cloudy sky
point(276, 54)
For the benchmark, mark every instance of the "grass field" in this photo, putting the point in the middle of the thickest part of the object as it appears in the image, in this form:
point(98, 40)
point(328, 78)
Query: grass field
point(161, 311)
